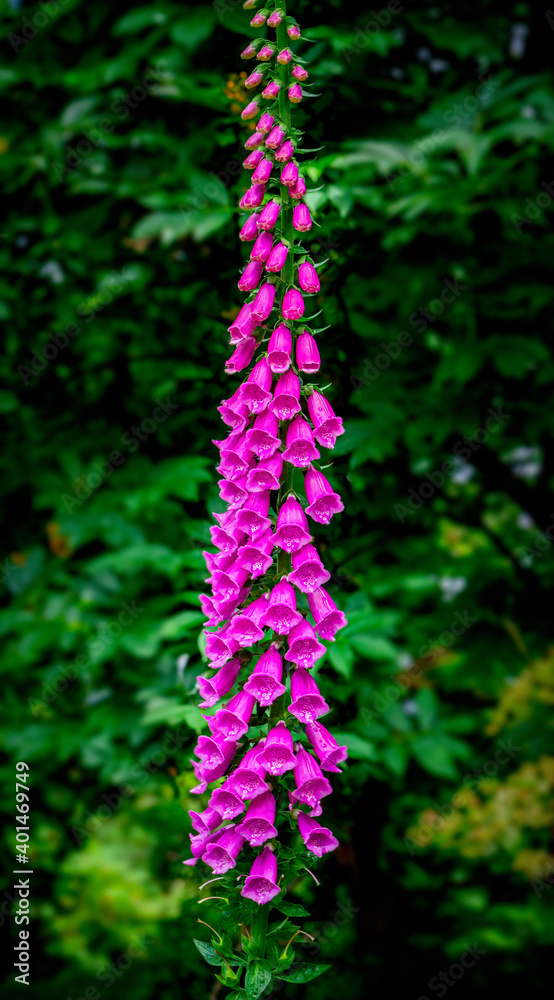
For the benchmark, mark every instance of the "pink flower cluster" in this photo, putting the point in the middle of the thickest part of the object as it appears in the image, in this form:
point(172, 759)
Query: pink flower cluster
point(257, 635)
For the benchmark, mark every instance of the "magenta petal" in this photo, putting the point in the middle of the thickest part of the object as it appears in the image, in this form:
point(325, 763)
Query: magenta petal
point(307, 703)
point(226, 802)
point(326, 747)
point(261, 884)
point(304, 647)
point(259, 823)
point(265, 682)
point(323, 501)
point(279, 349)
point(222, 855)
point(301, 449)
point(308, 570)
point(327, 616)
point(277, 755)
point(286, 401)
point(318, 839)
point(311, 785)
point(281, 614)
point(292, 526)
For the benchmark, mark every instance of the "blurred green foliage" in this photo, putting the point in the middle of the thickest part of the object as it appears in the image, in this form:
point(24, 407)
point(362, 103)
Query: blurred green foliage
point(119, 157)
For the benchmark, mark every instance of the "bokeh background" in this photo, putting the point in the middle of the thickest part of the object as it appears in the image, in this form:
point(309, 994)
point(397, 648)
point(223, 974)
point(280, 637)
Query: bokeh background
point(119, 161)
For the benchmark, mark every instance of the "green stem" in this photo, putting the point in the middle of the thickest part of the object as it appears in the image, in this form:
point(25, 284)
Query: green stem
point(259, 928)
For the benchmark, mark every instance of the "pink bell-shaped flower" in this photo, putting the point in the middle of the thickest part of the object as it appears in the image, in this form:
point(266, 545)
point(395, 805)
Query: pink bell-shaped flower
point(254, 140)
point(265, 123)
point(284, 57)
point(263, 436)
point(243, 326)
point(299, 73)
point(262, 247)
point(265, 53)
point(254, 196)
point(262, 173)
point(285, 153)
point(265, 682)
point(213, 688)
point(275, 138)
point(252, 518)
point(226, 802)
point(268, 215)
point(265, 475)
point(307, 353)
point(307, 703)
point(281, 614)
point(250, 229)
point(279, 349)
point(292, 526)
point(323, 501)
point(327, 426)
point(221, 856)
point(248, 779)
point(259, 19)
point(249, 52)
point(252, 160)
point(250, 277)
point(257, 555)
point(277, 258)
point(255, 390)
point(309, 572)
point(205, 822)
point(286, 401)
point(241, 356)
point(328, 619)
point(275, 19)
point(254, 79)
point(295, 93)
point(293, 31)
point(278, 754)
point(301, 218)
point(293, 303)
point(289, 176)
point(318, 839)
point(232, 722)
point(301, 449)
point(304, 647)
point(263, 303)
point(299, 190)
point(259, 823)
point(211, 750)
point(245, 629)
point(326, 747)
point(261, 883)
point(271, 90)
point(250, 111)
point(307, 278)
point(311, 785)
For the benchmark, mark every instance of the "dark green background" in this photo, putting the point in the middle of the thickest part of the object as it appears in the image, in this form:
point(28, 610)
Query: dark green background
point(135, 244)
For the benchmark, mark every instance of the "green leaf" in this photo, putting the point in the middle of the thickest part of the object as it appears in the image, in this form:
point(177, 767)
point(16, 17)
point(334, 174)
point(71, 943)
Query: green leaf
point(256, 979)
point(304, 973)
point(290, 909)
point(208, 952)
